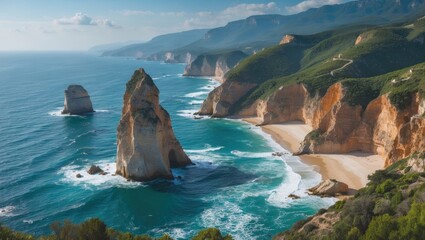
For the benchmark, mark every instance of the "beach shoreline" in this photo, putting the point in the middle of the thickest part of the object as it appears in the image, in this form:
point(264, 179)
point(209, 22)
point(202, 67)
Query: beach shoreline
point(352, 169)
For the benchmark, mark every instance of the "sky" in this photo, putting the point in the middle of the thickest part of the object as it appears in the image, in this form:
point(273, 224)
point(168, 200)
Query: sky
point(48, 25)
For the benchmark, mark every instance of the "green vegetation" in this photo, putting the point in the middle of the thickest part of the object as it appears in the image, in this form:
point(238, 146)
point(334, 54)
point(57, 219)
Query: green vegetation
point(381, 64)
point(96, 229)
point(391, 206)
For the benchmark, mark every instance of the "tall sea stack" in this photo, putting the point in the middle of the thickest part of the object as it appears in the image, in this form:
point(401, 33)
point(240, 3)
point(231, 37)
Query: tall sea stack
point(146, 145)
point(77, 101)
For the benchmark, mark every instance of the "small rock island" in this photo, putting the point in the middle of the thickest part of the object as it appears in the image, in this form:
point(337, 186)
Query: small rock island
point(146, 146)
point(77, 101)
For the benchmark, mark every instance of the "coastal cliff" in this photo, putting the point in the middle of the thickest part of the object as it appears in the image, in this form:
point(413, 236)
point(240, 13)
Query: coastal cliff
point(355, 88)
point(216, 65)
point(77, 101)
point(339, 127)
point(146, 145)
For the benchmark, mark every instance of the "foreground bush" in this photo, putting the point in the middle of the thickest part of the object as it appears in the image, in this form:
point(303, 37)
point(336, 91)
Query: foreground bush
point(95, 229)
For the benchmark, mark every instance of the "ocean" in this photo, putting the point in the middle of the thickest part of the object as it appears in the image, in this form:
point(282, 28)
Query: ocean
point(236, 184)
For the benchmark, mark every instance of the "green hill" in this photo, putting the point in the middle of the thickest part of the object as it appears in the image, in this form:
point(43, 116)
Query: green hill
point(320, 60)
point(257, 32)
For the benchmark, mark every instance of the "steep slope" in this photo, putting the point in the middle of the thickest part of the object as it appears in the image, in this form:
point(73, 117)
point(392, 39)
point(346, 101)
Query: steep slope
point(257, 32)
point(328, 90)
point(269, 28)
point(214, 64)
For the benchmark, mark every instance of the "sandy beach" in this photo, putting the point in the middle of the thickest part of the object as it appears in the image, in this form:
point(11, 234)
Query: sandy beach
point(352, 168)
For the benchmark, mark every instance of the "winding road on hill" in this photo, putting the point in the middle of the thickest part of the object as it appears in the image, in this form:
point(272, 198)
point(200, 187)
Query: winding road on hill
point(349, 61)
point(339, 58)
point(394, 81)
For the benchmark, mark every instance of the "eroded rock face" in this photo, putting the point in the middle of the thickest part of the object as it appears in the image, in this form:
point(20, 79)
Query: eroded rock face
point(146, 145)
point(286, 39)
point(77, 101)
point(329, 187)
point(216, 65)
point(380, 128)
point(220, 100)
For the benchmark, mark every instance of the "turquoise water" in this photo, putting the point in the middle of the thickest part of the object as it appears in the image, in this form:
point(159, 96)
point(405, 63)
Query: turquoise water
point(236, 184)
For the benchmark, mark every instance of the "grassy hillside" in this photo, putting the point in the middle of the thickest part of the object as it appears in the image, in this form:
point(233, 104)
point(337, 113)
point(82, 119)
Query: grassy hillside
point(391, 206)
point(326, 58)
point(257, 32)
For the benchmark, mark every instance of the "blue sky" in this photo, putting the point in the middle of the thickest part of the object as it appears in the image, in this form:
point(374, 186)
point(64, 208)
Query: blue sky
point(81, 24)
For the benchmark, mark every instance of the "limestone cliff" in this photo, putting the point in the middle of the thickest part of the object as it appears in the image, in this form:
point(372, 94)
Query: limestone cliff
point(220, 99)
point(380, 128)
point(214, 64)
point(77, 101)
point(146, 145)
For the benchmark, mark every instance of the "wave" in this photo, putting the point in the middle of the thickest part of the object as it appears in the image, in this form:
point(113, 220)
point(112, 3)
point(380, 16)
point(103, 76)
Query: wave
point(58, 112)
point(190, 113)
point(208, 149)
point(230, 218)
point(196, 102)
point(7, 211)
point(293, 182)
point(208, 87)
point(102, 110)
point(258, 154)
point(88, 181)
point(196, 94)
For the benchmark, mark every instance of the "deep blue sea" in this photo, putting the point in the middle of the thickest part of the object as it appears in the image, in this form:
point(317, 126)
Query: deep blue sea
point(236, 184)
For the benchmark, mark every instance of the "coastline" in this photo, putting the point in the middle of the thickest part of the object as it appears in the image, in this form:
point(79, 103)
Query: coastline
point(352, 168)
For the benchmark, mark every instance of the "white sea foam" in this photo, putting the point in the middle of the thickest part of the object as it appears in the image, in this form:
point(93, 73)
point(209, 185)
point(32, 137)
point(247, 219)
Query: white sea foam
point(29, 221)
point(7, 211)
point(255, 154)
point(230, 218)
point(58, 112)
point(196, 94)
point(96, 181)
point(208, 148)
point(196, 102)
point(102, 110)
point(293, 167)
point(188, 113)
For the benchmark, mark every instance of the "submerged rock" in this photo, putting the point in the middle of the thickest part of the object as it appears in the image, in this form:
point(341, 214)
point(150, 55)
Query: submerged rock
point(77, 101)
point(329, 187)
point(146, 145)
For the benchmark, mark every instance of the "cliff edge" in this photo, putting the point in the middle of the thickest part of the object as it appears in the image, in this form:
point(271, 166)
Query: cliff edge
point(216, 65)
point(146, 145)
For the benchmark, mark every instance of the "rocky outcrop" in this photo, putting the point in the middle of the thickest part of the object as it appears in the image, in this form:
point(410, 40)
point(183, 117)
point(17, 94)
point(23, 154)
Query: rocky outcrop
point(214, 64)
point(220, 100)
point(77, 101)
point(94, 170)
point(329, 188)
point(286, 39)
point(417, 163)
point(146, 145)
point(379, 128)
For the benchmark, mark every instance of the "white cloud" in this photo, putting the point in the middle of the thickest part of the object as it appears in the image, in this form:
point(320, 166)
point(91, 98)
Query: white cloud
point(84, 20)
point(305, 5)
point(245, 10)
point(240, 11)
point(136, 12)
point(172, 14)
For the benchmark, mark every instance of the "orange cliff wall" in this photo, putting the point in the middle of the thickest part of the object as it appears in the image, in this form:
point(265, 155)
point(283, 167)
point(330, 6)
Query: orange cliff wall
point(379, 129)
